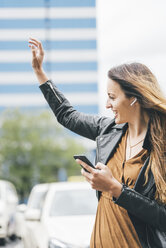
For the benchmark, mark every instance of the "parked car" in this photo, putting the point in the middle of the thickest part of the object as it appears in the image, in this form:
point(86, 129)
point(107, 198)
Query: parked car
point(60, 215)
point(8, 204)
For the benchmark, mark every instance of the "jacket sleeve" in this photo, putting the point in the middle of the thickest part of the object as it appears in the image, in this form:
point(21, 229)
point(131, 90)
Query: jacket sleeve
point(85, 125)
point(149, 211)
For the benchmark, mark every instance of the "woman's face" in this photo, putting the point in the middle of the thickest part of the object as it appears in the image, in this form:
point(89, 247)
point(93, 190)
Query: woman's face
point(118, 102)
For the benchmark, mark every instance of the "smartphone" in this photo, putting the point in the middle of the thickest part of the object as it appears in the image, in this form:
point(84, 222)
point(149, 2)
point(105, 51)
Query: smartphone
point(84, 159)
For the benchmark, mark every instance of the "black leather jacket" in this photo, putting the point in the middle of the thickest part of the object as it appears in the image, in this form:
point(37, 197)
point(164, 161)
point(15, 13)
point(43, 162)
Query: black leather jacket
point(147, 216)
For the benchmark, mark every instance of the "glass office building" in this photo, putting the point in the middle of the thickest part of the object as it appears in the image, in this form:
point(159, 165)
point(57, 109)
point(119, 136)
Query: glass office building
point(67, 29)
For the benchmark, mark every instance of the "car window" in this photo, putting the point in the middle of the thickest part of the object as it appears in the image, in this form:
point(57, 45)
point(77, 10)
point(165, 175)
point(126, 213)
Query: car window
point(74, 202)
point(37, 200)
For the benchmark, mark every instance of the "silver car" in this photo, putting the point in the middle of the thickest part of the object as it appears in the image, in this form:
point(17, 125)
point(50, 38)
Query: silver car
point(60, 215)
point(8, 204)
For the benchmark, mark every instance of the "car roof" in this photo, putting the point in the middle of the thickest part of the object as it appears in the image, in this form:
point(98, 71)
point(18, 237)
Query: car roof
point(61, 186)
point(41, 187)
point(69, 185)
point(4, 182)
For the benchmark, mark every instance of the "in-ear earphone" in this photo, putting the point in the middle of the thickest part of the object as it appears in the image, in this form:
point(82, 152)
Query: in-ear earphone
point(131, 104)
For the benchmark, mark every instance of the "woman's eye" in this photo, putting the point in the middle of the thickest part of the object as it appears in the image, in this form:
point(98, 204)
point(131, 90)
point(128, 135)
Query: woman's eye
point(112, 98)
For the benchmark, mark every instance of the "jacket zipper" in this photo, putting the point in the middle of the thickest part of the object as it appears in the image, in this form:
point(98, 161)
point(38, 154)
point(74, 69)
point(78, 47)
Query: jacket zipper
point(97, 150)
point(60, 101)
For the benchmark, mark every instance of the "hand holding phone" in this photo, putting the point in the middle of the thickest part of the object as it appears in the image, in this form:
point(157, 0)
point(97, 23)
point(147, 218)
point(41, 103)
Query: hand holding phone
point(85, 160)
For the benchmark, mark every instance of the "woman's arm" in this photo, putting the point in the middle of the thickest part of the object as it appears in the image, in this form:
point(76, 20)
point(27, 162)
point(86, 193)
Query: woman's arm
point(83, 124)
point(149, 211)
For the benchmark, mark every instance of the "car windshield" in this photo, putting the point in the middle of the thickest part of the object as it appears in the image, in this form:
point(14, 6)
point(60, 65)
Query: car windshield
point(74, 202)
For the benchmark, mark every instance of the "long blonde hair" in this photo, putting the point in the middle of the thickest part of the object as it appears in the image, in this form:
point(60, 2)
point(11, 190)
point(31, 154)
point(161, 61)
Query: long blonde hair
point(136, 80)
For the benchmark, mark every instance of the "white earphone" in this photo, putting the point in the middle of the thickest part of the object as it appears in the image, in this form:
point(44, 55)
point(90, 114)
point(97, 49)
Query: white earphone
point(131, 104)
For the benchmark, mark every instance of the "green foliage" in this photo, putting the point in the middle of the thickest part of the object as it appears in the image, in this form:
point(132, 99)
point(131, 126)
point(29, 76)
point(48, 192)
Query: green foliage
point(33, 147)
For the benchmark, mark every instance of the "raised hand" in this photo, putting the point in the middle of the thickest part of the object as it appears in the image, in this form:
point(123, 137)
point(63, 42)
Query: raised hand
point(37, 54)
point(37, 59)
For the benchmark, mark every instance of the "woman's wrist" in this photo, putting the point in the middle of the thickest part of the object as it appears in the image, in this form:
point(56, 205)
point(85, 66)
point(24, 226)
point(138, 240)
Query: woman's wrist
point(116, 189)
point(41, 76)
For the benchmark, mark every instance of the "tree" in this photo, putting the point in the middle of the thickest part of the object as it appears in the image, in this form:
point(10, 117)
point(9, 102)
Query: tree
point(33, 149)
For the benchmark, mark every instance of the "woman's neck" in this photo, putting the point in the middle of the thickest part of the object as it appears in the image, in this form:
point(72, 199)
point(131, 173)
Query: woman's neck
point(138, 126)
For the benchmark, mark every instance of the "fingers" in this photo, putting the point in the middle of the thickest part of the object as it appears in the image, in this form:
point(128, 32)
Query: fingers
point(37, 44)
point(34, 41)
point(33, 51)
point(87, 175)
point(100, 166)
point(85, 166)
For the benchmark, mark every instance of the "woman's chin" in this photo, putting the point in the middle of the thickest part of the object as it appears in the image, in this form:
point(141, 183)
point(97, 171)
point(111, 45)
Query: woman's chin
point(118, 121)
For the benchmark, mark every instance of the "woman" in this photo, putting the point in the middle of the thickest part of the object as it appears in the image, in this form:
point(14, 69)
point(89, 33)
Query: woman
point(131, 154)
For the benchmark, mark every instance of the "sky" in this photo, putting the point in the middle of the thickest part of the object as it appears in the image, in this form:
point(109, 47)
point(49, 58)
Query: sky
point(130, 31)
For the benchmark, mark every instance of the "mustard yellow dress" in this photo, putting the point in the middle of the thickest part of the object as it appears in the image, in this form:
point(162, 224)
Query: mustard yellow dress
point(113, 227)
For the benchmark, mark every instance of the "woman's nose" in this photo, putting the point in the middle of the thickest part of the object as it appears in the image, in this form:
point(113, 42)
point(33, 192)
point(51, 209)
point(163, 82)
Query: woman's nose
point(108, 104)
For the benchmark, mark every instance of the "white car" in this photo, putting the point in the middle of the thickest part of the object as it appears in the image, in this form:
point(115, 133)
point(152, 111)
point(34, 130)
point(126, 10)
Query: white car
point(60, 215)
point(8, 204)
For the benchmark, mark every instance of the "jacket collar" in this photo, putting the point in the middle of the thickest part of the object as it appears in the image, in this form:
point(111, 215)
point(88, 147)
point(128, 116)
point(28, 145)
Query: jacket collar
point(121, 126)
point(108, 142)
point(146, 144)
